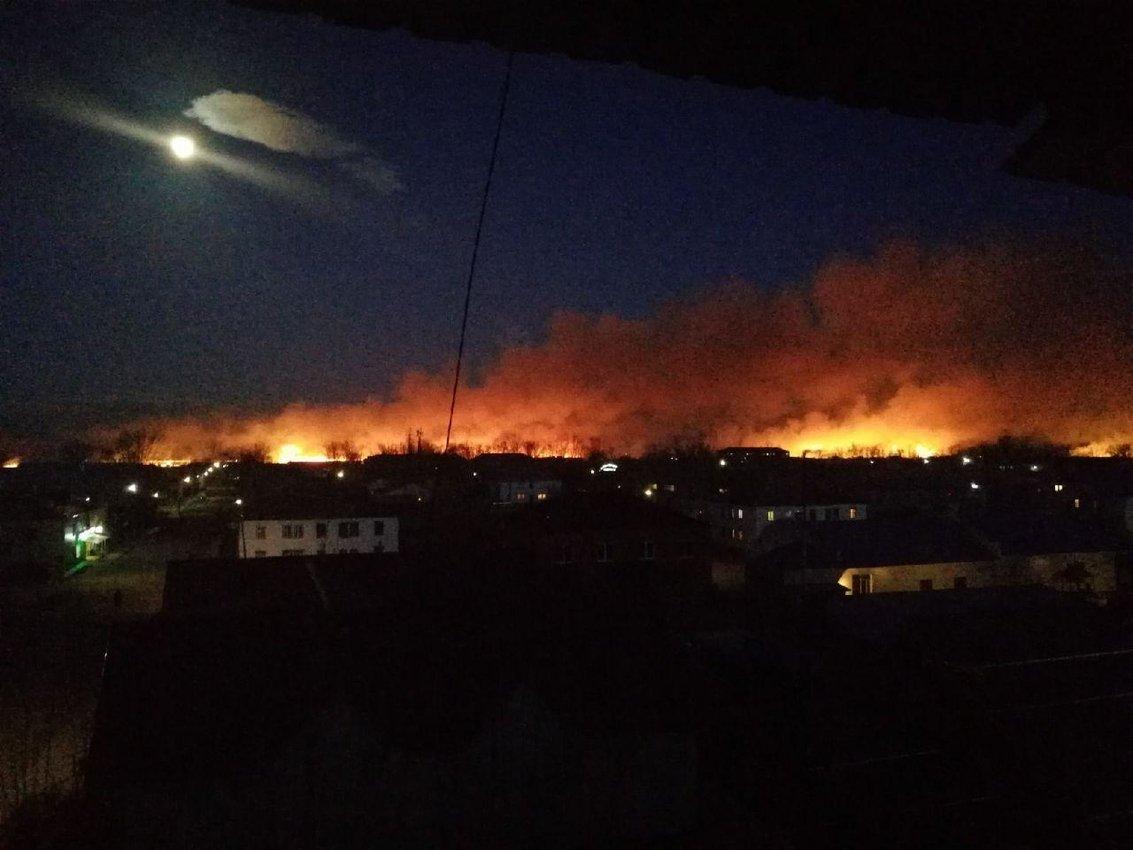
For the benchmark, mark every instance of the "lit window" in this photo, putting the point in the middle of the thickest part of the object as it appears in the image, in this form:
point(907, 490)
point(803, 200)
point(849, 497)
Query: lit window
point(853, 513)
point(771, 516)
point(739, 513)
point(1077, 503)
point(1057, 488)
point(540, 496)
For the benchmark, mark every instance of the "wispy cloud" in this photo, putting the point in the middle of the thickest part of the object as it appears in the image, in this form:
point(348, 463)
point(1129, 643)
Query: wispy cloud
point(279, 128)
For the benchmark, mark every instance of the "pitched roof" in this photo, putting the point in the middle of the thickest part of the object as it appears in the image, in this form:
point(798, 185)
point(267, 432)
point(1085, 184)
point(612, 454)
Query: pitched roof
point(872, 543)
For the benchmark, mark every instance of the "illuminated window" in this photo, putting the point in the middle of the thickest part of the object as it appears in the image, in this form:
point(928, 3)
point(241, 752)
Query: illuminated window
point(853, 513)
point(540, 496)
point(1077, 503)
point(1057, 488)
point(261, 532)
point(862, 584)
point(739, 513)
point(771, 516)
point(647, 550)
point(521, 497)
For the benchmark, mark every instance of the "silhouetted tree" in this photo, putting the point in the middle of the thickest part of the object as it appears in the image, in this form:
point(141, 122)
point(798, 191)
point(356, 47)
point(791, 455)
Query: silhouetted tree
point(342, 450)
point(255, 453)
point(134, 445)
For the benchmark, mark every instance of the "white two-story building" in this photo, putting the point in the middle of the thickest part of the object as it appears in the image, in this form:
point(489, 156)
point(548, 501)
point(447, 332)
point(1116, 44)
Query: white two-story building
point(267, 538)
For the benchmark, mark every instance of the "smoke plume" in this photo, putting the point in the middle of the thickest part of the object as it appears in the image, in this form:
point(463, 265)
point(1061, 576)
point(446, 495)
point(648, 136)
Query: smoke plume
point(910, 350)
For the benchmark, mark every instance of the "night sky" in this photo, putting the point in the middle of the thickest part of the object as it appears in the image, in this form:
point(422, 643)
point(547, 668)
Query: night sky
point(134, 284)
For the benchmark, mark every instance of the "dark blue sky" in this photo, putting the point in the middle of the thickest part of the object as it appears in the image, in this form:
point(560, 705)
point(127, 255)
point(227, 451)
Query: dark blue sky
point(131, 282)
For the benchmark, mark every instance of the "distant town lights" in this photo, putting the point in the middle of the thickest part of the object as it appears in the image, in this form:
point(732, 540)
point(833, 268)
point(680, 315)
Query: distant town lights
point(239, 501)
point(975, 485)
point(156, 494)
point(723, 461)
point(1057, 488)
point(188, 479)
point(965, 460)
point(340, 474)
point(131, 488)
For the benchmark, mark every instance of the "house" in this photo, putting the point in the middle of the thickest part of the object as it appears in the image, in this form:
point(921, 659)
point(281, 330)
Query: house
point(610, 529)
point(526, 491)
point(42, 537)
point(85, 527)
point(741, 521)
point(313, 526)
point(930, 554)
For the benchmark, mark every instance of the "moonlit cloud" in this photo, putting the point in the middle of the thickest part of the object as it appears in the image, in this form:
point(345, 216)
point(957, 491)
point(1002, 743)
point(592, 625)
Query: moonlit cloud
point(279, 128)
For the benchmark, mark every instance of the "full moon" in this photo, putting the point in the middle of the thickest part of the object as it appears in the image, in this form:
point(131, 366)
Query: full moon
point(182, 146)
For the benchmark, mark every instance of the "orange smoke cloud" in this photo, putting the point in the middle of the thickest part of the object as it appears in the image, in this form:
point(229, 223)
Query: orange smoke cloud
point(908, 350)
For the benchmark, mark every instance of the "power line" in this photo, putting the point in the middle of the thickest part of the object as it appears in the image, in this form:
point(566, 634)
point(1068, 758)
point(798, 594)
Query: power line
point(476, 245)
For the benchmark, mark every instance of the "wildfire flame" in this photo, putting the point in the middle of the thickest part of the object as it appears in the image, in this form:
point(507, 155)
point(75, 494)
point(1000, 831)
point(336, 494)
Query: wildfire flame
point(910, 352)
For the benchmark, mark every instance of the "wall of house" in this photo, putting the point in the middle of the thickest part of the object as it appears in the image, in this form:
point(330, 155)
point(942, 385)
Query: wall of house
point(525, 492)
point(261, 538)
point(1004, 572)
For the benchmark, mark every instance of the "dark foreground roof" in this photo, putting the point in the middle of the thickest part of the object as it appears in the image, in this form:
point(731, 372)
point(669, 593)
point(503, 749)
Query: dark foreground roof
point(872, 543)
point(968, 62)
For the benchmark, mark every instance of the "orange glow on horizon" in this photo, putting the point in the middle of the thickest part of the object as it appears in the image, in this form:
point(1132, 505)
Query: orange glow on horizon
point(909, 352)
